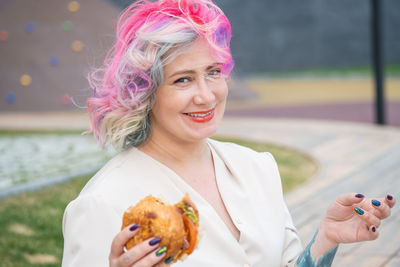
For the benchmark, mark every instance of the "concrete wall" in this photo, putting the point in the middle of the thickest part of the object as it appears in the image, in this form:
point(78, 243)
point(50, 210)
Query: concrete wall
point(288, 34)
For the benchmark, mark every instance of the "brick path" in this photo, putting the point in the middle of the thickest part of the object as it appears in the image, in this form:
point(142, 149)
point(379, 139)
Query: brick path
point(352, 158)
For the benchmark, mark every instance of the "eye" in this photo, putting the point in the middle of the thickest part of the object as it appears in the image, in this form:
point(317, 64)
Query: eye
point(182, 80)
point(215, 73)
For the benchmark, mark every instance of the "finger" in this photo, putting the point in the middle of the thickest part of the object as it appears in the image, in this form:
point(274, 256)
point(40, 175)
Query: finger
point(164, 263)
point(382, 210)
point(152, 258)
point(350, 199)
point(119, 241)
point(373, 233)
point(390, 200)
point(140, 251)
point(167, 262)
point(367, 217)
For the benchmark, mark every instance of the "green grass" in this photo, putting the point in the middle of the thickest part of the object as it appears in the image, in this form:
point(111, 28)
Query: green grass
point(30, 223)
point(295, 167)
point(40, 213)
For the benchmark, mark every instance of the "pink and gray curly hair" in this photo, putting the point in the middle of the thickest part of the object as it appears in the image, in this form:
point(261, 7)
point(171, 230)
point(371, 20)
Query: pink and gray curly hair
point(133, 70)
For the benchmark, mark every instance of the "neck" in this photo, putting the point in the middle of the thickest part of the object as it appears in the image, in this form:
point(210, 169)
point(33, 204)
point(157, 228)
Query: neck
point(174, 152)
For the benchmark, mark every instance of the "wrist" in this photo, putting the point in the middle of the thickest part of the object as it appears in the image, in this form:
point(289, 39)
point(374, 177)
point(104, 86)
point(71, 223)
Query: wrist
point(323, 255)
point(322, 244)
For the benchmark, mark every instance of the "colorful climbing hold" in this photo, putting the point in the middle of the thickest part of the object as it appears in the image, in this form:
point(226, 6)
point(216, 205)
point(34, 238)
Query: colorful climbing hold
point(29, 27)
point(73, 6)
point(26, 80)
point(77, 46)
point(11, 97)
point(67, 25)
point(3, 36)
point(54, 60)
point(66, 99)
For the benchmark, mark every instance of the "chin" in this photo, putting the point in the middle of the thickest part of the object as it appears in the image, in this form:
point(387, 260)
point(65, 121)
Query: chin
point(204, 133)
point(200, 131)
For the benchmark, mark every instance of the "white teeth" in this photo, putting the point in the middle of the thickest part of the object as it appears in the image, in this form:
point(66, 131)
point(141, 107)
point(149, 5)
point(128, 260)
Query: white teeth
point(198, 115)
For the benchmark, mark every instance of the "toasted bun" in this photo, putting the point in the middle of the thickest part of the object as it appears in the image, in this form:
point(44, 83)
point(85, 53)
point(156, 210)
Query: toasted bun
point(169, 222)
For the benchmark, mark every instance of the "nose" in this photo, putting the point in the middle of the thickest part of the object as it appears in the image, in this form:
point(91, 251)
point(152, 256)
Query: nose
point(204, 93)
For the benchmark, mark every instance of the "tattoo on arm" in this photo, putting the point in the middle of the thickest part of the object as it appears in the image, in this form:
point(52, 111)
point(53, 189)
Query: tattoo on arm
point(305, 259)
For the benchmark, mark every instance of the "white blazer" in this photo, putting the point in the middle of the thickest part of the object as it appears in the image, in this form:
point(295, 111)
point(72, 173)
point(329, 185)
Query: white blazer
point(249, 184)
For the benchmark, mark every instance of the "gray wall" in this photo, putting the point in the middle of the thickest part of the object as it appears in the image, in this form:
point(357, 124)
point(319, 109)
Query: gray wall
point(273, 35)
point(288, 34)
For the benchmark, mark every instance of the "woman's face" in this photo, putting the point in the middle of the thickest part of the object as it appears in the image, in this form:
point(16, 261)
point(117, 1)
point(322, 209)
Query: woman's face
point(191, 101)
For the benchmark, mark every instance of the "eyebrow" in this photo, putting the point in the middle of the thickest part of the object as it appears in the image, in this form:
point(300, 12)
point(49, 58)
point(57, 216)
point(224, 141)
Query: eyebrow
point(192, 71)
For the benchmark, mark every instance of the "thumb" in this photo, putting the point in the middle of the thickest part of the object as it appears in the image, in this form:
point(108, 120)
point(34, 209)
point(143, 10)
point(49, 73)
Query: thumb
point(349, 199)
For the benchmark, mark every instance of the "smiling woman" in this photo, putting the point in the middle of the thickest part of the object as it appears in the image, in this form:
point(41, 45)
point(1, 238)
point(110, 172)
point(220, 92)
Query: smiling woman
point(159, 97)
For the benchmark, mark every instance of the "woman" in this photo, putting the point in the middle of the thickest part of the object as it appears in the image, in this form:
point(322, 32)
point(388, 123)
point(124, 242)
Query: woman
point(161, 94)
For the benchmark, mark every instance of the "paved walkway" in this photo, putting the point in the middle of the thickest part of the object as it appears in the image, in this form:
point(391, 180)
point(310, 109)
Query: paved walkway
point(353, 158)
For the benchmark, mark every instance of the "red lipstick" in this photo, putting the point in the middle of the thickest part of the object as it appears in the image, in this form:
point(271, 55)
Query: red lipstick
point(201, 116)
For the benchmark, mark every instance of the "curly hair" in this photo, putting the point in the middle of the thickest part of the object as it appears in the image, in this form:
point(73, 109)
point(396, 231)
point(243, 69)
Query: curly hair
point(149, 36)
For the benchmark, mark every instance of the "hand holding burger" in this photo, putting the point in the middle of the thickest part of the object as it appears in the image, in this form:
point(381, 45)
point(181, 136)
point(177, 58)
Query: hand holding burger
point(153, 231)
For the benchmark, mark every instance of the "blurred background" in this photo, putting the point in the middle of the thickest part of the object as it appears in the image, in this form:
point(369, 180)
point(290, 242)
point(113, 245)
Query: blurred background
point(308, 59)
point(307, 63)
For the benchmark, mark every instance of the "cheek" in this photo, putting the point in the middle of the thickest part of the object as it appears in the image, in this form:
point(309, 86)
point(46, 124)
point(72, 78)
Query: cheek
point(222, 91)
point(171, 103)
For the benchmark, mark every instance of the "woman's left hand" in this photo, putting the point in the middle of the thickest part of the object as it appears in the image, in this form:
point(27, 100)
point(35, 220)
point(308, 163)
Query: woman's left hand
point(354, 218)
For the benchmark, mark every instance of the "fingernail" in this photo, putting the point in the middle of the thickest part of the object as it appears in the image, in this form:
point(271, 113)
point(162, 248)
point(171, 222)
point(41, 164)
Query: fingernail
point(168, 260)
point(373, 229)
point(390, 197)
point(161, 251)
point(360, 196)
point(359, 211)
point(134, 227)
point(154, 241)
point(376, 202)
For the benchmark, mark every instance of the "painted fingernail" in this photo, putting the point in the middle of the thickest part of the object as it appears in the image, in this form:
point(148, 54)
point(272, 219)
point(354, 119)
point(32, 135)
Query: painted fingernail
point(359, 211)
point(161, 251)
point(390, 197)
point(373, 229)
point(168, 260)
point(154, 241)
point(376, 203)
point(134, 227)
point(359, 196)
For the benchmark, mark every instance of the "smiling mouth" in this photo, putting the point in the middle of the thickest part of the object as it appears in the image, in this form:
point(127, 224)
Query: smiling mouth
point(200, 114)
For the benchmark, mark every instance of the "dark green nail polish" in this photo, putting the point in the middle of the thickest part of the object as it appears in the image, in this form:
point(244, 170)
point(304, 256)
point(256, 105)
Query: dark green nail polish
point(359, 211)
point(376, 203)
point(168, 260)
point(161, 251)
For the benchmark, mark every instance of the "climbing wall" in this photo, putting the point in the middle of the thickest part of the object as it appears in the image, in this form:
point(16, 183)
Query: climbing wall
point(47, 48)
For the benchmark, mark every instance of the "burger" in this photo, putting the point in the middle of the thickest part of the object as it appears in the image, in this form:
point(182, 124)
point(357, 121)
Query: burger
point(177, 225)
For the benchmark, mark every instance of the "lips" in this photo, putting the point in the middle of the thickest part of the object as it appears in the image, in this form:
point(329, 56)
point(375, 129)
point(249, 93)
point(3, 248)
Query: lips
point(201, 116)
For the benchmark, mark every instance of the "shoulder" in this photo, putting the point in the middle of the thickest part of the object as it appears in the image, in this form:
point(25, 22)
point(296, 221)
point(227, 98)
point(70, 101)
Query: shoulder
point(113, 171)
point(86, 219)
point(257, 168)
point(117, 182)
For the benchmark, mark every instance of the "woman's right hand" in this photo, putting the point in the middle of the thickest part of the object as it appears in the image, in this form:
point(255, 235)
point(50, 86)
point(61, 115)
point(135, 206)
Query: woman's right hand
point(145, 254)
